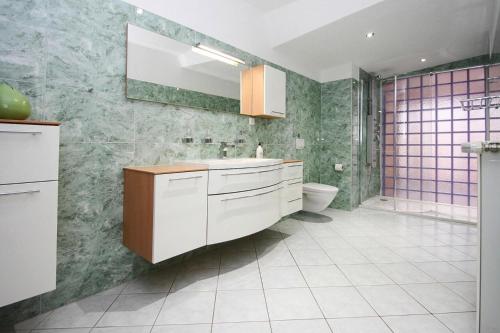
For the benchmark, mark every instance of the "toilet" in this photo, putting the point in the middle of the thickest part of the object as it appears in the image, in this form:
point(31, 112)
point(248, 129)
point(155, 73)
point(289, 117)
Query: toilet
point(316, 197)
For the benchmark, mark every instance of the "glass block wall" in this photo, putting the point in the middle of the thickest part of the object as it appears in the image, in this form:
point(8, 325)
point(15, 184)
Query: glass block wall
point(424, 128)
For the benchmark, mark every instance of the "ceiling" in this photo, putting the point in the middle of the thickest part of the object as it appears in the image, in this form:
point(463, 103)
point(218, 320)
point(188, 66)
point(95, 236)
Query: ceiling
point(326, 39)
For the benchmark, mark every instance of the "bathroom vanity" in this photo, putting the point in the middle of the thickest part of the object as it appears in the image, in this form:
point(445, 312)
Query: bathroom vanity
point(170, 210)
point(28, 202)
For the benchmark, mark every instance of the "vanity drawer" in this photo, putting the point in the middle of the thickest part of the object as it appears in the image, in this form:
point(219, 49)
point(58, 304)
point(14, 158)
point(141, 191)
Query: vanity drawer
point(237, 180)
point(294, 189)
point(293, 170)
point(294, 206)
point(232, 216)
point(28, 240)
point(30, 153)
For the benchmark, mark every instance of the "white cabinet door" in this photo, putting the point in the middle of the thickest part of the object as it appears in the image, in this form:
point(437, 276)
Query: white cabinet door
point(294, 170)
point(232, 216)
point(28, 245)
point(274, 92)
point(30, 153)
point(180, 213)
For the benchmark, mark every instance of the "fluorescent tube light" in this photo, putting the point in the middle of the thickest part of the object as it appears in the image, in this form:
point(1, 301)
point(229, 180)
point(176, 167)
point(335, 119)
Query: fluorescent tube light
point(217, 55)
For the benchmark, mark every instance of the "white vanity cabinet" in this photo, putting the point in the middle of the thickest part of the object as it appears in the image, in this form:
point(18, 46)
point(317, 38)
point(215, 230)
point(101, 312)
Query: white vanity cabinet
point(170, 210)
point(165, 211)
point(291, 200)
point(29, 152)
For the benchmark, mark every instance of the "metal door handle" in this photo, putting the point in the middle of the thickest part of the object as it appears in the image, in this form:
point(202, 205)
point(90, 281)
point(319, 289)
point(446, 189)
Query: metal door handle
point(174, 179)
point(20, 192)
point(249, 173)
point(22, 132)
point(251, 196)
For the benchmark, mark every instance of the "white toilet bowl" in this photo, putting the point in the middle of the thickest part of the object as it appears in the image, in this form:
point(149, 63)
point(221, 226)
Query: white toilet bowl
point(316, 197)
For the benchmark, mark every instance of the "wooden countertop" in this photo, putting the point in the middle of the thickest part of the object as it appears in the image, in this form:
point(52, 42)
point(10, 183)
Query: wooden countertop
point(164, 169)
point(30, 122)
point(292, 161)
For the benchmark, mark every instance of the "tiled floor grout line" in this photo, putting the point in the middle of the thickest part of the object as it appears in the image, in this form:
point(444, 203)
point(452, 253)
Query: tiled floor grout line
point(216, 289)
point(262, 284)
point(165, 300)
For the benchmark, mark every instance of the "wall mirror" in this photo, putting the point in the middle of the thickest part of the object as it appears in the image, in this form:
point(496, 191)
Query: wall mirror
point(160, 69)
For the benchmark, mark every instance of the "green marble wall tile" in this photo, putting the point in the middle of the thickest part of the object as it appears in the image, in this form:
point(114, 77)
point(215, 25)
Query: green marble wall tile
point(336, 139)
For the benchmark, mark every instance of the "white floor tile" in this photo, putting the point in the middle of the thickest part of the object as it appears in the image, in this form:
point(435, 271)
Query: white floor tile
point(415, 254)
point(346, 256)
point(209, 259)
point(238, 259)
point(282, 277)
point(365, 275)
point(58, 330)
point(196, 280)
point(249, 327)
point(470, 250)
point(447, 253)
point(133, 310)
point(381, 255)
point(311, 257)
point(132, 329)
point(391, 300)
point(468, 290)
point(324, 276)
point(444, 272)
point(403, 273)
point(276, 257)
point(301, 241)
point(437, 298)
point(469, 267)
point(196, 328)
point(246, 277)
point(333, 242)
point(296, 303)
point(84, 313)
point(359, 325)
point(459, 322)
point(154, 282)
point(416, 324)
point(239, 306)
point(337, 302)
point(187, 307)
point(301, 326)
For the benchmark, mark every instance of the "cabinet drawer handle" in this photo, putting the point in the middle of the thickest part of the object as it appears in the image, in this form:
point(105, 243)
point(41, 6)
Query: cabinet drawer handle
point(249, 173)
point(20, 192)
point(294, 166)
point(22, 132)
point(295, 183)
point(175, 179)
point(251, 196)
point(289, 201)
point(277, 112)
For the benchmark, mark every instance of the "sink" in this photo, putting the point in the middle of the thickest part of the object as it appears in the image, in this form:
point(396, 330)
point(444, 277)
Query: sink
point(236, 163)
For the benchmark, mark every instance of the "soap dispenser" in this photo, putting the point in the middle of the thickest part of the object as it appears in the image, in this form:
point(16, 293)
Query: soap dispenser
point(259, 153)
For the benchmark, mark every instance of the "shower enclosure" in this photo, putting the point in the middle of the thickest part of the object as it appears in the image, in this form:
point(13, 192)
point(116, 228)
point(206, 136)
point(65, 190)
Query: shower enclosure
point(423, 170)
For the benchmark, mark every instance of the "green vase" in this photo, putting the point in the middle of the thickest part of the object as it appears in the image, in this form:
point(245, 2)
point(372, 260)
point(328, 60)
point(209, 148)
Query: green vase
point(13, 104)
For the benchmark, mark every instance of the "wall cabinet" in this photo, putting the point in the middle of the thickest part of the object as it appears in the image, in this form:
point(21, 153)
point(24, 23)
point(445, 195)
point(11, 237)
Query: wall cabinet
point(263, 92)
point(28, 209)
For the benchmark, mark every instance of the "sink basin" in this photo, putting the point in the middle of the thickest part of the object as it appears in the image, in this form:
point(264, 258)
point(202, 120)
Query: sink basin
point(237, 163)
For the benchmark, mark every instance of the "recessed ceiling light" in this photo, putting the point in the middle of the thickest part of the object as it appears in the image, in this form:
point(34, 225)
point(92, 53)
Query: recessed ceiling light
point(371, 34)
point(423, 60)
point(139, 11)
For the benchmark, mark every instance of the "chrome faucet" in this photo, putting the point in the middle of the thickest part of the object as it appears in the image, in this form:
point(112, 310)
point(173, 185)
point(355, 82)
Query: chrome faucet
point(223, 149)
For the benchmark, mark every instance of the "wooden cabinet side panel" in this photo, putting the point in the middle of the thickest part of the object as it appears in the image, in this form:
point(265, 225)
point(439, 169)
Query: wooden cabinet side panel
point(258, 96)
point(246, 92)
point(138, 202)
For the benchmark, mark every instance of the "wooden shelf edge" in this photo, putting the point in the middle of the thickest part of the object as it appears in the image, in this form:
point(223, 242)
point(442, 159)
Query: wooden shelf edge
point(30, 122)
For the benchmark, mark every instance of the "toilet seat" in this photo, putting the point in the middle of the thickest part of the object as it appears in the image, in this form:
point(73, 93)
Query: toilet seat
point(319, 188)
